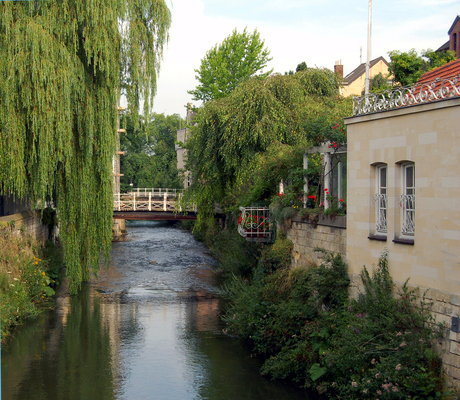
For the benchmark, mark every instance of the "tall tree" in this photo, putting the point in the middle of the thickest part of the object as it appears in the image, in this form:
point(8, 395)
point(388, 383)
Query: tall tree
point(408, 67)
point(239, 57)
point(258, 118)
point(150, 159)
point(62, 65)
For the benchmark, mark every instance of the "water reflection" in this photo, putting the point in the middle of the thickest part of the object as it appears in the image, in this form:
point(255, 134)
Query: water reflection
point(143, 331)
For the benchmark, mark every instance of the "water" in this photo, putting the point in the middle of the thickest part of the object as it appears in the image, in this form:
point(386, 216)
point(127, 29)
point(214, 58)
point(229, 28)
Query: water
point(148, 328)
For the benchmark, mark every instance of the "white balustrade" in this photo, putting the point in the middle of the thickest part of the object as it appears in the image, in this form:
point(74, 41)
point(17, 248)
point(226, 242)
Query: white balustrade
point(150, 200)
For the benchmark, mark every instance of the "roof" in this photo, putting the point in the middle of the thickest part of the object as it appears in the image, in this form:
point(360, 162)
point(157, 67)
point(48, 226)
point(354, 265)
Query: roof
point(453, 25)
point(357, 72)
point(444, 47)
point(441, 77)
point(448, 70)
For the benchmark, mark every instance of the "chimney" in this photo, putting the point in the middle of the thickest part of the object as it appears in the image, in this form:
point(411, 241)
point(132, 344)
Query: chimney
point(338, 68)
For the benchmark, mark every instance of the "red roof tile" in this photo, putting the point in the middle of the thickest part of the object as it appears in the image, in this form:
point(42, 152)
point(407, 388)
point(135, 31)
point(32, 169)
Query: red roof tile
point(448, 70)
point(445, 77)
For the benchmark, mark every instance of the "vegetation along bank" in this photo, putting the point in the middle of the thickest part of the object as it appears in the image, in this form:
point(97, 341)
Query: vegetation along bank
point(29, 274)
point(306, 329)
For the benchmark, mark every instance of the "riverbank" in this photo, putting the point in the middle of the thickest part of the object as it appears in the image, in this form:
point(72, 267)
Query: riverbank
point(303, 323)
point(29, 274)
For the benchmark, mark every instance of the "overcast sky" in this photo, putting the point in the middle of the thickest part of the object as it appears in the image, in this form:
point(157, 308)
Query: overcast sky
point(319, 32)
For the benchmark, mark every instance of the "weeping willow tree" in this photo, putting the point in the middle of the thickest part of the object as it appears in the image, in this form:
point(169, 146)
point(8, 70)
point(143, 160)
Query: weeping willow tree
point(237, 139)
point(63, 65)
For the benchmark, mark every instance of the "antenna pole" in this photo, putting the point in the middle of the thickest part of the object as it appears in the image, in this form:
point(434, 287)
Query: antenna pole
point(369, 31)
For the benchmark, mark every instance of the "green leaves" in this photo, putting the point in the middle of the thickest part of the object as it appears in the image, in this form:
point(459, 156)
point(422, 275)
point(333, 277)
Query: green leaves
point(408, 67)
point(245, 143)
point(62, 67)
point(316, 371)
point(239, 57)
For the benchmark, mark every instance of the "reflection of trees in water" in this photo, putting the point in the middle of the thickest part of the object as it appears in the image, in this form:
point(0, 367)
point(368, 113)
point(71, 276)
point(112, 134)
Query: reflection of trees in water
point(73, 355)
point(222, 364)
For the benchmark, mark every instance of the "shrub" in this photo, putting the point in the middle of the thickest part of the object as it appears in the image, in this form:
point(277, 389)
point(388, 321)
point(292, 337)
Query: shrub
point(380, 346)
point(273, 257)
point(236, 256)
point(301, 321)
point(26, 278)
point(273, 310)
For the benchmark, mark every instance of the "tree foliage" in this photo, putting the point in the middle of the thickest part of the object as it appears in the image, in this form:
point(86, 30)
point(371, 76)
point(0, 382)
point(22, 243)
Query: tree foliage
point(239, 57)
point(60, 75)
point(150, 160)
point(408, 67)
point(232, 146)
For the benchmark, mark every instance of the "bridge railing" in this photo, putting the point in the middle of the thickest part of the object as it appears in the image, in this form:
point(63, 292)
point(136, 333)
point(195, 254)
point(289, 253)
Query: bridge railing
point(155, 191)
point(149, 201)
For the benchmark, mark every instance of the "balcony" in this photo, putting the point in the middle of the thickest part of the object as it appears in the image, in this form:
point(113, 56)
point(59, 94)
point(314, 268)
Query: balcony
point(254, 224)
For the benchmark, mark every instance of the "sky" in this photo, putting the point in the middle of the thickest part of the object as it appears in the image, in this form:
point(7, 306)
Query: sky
point(319, 32)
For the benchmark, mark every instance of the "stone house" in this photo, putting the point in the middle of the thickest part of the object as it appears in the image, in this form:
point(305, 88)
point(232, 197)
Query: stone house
point(404, 193)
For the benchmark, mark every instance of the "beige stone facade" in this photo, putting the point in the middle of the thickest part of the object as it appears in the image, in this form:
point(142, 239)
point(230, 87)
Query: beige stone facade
point(182, 137)
point(427, 137)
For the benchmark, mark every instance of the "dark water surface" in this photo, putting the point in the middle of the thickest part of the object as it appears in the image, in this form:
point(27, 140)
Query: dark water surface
point(149, 328)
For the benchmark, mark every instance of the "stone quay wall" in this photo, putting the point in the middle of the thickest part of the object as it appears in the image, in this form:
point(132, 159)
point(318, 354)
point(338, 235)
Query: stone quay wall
point(30, 223)
point(329, 234)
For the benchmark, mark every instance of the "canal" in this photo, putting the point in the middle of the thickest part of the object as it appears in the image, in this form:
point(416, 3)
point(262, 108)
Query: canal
point(148, 328)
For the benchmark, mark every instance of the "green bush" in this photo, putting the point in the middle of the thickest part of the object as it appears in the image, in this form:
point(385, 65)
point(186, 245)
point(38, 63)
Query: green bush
point(273, 309)
point(273, 257)
point(28, 274)
point(236, 256)
point(380, 346)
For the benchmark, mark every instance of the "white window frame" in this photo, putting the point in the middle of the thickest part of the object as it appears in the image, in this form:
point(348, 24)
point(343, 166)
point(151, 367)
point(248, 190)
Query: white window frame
point(381, 200)
point(407, 201)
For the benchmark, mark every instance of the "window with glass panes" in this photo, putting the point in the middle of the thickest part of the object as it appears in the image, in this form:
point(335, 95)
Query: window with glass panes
point(381, 200)
point(407, 200)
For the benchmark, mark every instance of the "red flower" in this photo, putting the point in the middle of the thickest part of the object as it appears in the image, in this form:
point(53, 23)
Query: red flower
point(341, 199)
point(311, 197)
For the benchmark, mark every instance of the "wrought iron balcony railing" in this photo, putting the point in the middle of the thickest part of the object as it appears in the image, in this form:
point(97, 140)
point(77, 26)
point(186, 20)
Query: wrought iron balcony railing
point(439, 89)
point(381, 213)
point(254, 224)
point(407, 204)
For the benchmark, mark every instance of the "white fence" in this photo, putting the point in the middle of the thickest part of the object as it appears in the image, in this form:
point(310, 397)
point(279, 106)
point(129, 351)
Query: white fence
point(155, 191)
point(150, 201)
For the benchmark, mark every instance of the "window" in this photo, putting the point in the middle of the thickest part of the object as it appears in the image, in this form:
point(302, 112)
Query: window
point(339, 176)
point(407, 200)
point(381, 201)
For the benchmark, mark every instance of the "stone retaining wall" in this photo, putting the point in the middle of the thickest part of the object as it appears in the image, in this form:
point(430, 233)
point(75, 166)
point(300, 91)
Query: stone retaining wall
point(30, 222)
point(118, 228)
point(329, 234)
